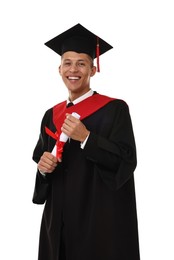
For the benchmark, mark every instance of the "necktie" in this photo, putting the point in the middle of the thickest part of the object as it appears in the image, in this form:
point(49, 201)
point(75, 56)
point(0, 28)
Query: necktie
point(70, 104)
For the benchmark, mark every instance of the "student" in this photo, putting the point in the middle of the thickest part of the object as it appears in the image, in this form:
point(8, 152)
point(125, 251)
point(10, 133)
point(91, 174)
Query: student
point(86, 181)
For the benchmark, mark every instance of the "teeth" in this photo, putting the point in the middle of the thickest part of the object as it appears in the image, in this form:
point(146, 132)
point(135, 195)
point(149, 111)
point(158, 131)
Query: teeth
point(73, 77)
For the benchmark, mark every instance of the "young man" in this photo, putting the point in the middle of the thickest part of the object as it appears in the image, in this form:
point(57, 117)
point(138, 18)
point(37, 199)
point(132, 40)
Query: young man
point(86, 180)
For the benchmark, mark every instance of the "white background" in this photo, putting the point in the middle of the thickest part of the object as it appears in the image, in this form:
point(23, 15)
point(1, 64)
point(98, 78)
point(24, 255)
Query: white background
point(140, 70)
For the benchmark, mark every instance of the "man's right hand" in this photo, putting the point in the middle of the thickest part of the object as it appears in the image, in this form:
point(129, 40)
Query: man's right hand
point(47, 163)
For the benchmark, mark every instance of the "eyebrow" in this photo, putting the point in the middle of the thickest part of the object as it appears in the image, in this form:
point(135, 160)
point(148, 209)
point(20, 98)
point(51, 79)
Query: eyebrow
point(75, 60)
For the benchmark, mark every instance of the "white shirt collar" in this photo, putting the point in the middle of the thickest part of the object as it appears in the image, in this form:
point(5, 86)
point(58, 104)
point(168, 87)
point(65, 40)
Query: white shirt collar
point(86, 95)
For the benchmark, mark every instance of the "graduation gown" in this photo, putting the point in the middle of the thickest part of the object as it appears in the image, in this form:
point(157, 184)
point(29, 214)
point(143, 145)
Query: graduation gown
point(90, 209)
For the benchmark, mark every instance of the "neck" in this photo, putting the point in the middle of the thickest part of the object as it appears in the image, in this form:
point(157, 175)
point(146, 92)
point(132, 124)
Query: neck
point(73, 96)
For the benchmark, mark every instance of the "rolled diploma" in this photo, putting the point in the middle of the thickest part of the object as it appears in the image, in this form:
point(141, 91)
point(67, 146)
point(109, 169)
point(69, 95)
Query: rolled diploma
point(63, 137)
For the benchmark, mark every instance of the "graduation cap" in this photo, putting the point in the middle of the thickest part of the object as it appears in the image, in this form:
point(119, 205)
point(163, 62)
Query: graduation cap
point(81, 40)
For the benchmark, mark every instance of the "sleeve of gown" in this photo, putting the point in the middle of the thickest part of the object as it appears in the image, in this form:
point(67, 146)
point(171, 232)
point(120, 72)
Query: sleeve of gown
point(115, 156)
point(42, 186)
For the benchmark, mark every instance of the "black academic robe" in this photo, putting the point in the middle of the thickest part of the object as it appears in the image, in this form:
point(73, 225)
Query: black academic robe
point(90, 210)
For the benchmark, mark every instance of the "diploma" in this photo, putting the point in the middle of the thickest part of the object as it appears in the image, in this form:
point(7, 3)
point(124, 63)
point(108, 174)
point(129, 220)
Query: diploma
point(58, 148)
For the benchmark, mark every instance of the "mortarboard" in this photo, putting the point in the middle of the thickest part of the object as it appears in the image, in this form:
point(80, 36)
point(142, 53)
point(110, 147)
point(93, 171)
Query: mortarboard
point(81, 40)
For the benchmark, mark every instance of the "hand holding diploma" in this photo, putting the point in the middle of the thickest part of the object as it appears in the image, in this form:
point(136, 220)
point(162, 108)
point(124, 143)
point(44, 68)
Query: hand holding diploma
point(71, 128)
point(69, 125)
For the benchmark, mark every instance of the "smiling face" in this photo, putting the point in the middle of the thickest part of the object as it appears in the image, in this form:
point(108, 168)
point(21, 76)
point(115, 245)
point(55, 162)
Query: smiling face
point(76, 69)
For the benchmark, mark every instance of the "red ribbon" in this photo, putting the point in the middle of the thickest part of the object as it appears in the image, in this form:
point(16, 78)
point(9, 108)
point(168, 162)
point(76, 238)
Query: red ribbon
point(50, 133)
point(59, 144)
point(59, 149)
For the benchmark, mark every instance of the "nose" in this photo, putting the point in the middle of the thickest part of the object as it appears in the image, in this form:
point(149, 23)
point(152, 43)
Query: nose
point(73, 67)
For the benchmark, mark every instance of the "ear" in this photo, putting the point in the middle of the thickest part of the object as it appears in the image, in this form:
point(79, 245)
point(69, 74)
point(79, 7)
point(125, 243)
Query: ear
point(59, 69)
point(93, 71)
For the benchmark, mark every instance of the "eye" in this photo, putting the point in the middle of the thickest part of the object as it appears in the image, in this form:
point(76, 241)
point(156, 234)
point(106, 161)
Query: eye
point(81, 64)
point(67, 63)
